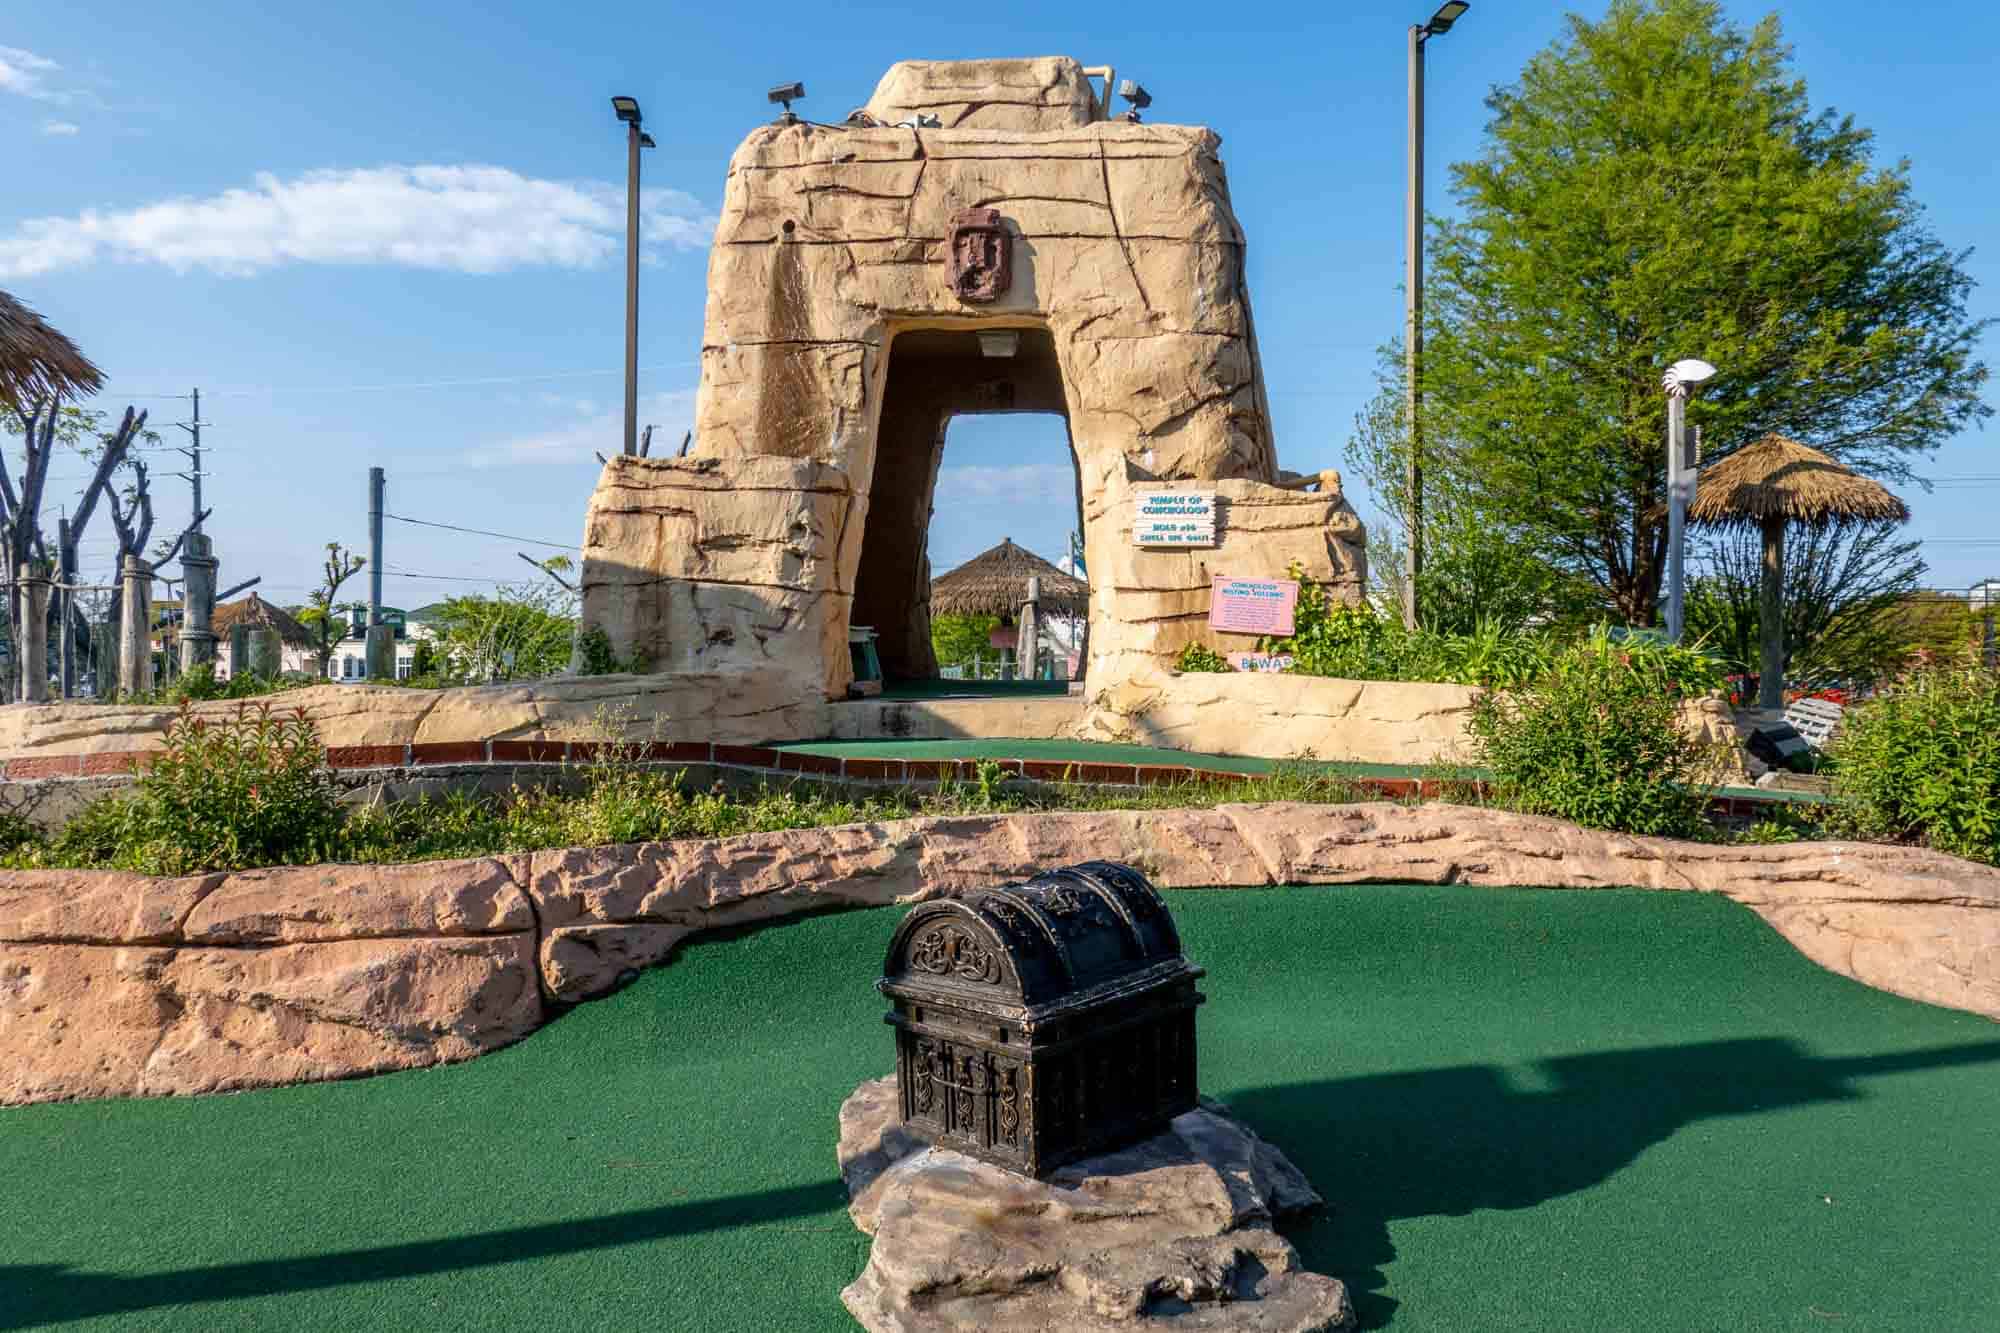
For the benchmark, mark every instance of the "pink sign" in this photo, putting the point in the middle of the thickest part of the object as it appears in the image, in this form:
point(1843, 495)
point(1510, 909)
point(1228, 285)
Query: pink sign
point(1253, 606)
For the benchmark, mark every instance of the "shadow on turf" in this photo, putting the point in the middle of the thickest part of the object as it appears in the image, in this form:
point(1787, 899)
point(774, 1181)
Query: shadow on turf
point(36, 1295)
point(1451, 1141)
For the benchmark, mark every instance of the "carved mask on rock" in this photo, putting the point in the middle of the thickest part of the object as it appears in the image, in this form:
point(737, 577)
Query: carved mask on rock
point(981, 254)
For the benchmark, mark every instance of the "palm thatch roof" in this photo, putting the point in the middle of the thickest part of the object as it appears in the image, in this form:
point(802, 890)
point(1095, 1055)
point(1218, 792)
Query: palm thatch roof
point(36, 362)
point(257, 613)
point(1777, 478)
point(995, 583)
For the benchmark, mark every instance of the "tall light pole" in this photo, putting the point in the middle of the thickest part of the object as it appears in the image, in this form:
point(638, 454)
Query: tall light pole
point(1413, 304)
point(627, 110)
point(1680, 380)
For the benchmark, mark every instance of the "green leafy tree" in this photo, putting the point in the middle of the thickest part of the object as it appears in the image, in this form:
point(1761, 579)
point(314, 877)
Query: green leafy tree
point(1843, 588)
point(957, 639)
point(322, 613)
point(1657, 186)
point(523, 632)
point(1477, 572)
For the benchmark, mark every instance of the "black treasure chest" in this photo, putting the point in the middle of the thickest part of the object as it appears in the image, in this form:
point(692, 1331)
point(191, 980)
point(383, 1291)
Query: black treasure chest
point(1042, 1022)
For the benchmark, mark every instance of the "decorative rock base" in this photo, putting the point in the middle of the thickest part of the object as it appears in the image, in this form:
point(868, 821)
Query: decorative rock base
point(1173, 1233)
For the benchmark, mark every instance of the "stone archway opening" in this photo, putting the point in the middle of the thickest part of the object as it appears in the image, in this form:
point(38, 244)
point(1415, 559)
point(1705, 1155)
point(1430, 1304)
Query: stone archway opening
point(932, 377)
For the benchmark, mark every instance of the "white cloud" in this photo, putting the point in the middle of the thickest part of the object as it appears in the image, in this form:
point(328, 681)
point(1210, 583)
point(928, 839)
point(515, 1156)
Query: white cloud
point(25, 74)
point(466, 219)
point(1027, 484)
point(670, 413)
point(60, 127)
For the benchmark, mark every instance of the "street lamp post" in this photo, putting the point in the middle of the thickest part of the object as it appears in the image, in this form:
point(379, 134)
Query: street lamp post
point(1680, 380)
point(627, 110)
point(1413, 304)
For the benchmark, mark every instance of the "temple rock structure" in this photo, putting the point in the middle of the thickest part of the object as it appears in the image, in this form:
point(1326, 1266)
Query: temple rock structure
point(872, 280)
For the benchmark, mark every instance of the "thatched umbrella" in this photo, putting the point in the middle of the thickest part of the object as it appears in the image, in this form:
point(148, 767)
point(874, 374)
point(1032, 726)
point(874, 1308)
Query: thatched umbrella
point(1767, 485)
point(995, 583)
point(36, 362)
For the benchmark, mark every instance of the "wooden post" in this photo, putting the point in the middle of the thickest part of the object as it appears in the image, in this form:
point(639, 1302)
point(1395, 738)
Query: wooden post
point(33, 654)
point(1771, 619)
point(135, 638)
point(1024, 648)
point(198, 565)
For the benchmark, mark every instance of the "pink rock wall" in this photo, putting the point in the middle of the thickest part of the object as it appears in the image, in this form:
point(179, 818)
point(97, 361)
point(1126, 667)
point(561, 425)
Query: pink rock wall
point(121, 985)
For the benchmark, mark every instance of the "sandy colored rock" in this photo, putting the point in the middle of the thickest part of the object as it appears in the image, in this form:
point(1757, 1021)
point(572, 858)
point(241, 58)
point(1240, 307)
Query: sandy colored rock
point(736, 705)
point(98, 1021)
point(584, 962)
point(1048, 92)
point(294, 904)
point(96, 906)
point(1283, 716)
point(1172, 1233)
point(831, 264)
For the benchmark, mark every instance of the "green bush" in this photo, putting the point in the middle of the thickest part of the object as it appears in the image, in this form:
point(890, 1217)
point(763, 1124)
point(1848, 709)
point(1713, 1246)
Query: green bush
point(1596, 740)
point(253, 790)
point(199, 684)
point(1920, 762)
point(1201, 658)
point(1358, 643)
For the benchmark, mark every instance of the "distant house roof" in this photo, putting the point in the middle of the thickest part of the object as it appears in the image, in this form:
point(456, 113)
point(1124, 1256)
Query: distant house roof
point(260, 614)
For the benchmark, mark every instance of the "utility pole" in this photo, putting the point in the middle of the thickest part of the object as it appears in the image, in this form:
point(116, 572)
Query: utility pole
point(193, 427)
point(1413, 308)
point(379, 644)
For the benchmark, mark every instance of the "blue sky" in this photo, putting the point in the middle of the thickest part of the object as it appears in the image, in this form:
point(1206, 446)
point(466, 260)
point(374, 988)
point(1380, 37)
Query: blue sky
point(312, 212)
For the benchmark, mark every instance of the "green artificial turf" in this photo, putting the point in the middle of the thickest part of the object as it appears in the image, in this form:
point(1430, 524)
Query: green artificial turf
point(1107, 752)
point(938, 688)
point(1531, 1110)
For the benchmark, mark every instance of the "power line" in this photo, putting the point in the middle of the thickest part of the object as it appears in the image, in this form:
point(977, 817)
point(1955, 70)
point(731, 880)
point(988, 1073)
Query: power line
point(449, 578)
point(481, 532)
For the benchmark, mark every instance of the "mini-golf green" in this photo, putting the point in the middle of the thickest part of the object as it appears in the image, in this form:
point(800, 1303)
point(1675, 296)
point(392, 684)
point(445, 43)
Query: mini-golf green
point(1531, 1110)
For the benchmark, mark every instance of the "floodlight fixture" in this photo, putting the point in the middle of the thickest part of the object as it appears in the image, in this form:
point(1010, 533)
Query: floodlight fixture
point(646, 141)
point(1133, 93)
point(626, 109)
point(1683, 375)
point(785, 94)
point(999, 342)
point(1448, 13)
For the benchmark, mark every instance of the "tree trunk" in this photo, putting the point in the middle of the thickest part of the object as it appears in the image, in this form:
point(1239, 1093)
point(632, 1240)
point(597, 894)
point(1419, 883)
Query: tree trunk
point(1771, 619)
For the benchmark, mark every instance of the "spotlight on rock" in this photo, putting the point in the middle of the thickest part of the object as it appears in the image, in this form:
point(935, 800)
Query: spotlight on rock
point(785, 94)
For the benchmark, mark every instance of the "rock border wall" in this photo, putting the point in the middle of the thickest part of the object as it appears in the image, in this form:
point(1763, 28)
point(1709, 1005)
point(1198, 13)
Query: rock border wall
point(123, 985)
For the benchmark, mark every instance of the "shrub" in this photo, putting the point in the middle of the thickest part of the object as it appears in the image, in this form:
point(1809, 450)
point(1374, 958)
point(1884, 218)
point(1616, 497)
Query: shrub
point(1920, 762)
point(1596, 740)
point(1201, 658)
point(198, 684)
point(253, 790)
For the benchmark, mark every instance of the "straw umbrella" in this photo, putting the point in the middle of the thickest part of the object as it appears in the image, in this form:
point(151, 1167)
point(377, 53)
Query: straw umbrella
point(36, 362)
point(996, 583)
point(1768, 485)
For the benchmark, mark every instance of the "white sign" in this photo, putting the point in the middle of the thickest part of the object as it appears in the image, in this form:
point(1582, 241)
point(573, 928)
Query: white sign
point(1173, 518)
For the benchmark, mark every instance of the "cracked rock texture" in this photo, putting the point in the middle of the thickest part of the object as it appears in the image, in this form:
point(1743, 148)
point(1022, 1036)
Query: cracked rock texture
point(1171, 1233)
point(117, 985)
point(831, 262)
point(120, 985)
point(1282, 716)
point(737, 705)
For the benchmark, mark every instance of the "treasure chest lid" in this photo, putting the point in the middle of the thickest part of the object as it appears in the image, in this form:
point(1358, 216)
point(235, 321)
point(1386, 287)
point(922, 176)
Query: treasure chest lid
point(1067, 936)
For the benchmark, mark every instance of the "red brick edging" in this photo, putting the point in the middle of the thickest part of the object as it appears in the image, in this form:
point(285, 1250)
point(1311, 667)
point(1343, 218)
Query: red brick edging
point(861, 768)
